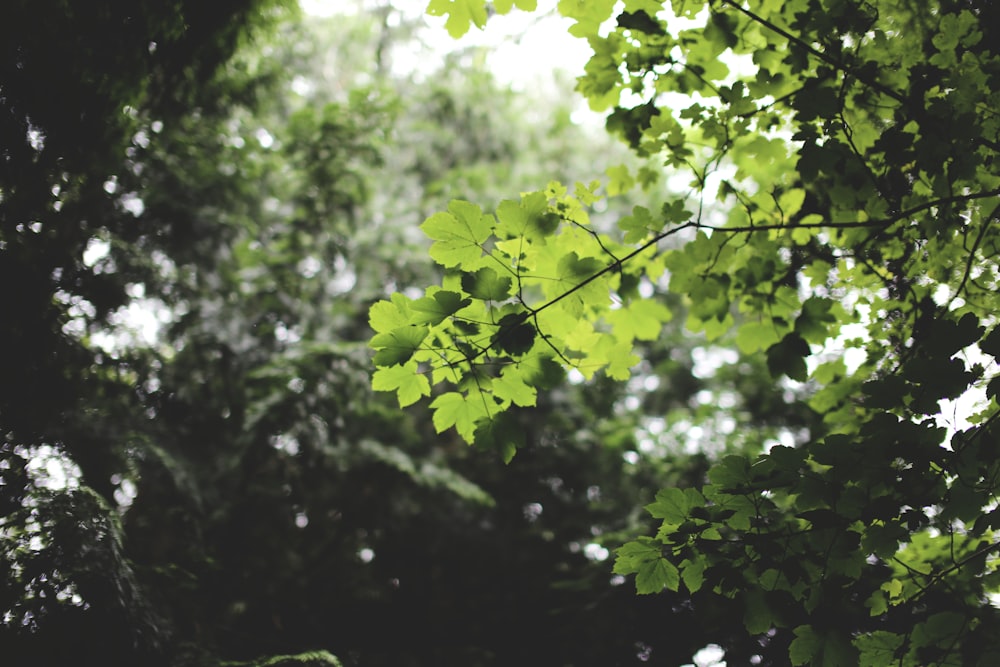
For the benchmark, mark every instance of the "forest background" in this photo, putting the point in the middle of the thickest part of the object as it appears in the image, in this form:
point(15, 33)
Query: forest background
point(741, 345)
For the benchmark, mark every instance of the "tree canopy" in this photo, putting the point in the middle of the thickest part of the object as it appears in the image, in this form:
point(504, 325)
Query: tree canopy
point(837, 219)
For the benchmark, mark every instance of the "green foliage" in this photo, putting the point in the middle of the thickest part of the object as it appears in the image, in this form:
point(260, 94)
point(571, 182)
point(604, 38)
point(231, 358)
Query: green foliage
point(841, 164)
point(462, 13)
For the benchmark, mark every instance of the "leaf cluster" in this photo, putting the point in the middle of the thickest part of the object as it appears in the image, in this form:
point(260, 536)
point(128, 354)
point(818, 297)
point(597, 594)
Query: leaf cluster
point(842, 203)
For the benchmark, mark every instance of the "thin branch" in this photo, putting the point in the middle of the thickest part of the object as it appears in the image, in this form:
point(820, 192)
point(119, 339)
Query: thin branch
point(972, 253)
point(696, 224)
point(935, 577)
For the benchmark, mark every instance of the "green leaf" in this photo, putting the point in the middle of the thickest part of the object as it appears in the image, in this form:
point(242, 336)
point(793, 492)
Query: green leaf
point(572, 269)
point(408, 383)
point(693, 574)
point(821, 650)
point(435, 309)
point(510, 386)
point(945, 337)
point(486, 284)
point(754, 336)
point(515, 335)
point(993, 388)
point(894, 588)
point(642, 319)
point(671, 505)
point(502, 434)
point(787, 357)
point(631, 555)
point(384, 316)
point(991, 343)
point(883, 540)
point(460, 411)
point(805, 647)
point(878, 649)
point(877, 603)
point(459, 235)
point(541, 371)
point(814, 322)
point(617, 356)
point(504, 6)
point(637, 226)
point(940, 630)
point(644, 558)
point(398, 345)
point(656, 575)
point(757, 615)
point(528, 219)
point(731, 472)
point(619, 180)
point(676, 212)
point(460, 13)
point(589, 14)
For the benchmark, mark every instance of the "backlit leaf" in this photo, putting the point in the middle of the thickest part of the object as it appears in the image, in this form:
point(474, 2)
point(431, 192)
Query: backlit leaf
point(510, 386)
point(458, 410)
point(405, 380)
point(671, 505)
point(486, 284)
point(458, 235)
point(435, 309)
point(398, 345)
point(384, 316)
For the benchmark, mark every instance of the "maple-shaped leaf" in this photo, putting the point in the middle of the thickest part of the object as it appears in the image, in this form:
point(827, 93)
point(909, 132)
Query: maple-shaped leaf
point(541, 371)
point(573, 269)
point(638, 225)
point(619, 180)
point(529, 218)
point(671, 505)
point(675, 212)
point(826, 649)
point(693, 574)
point(510, 386)
point(641, 319)
point(458, 235)
point(631, 555)
point(486, 284)
point(460, 14)
point(644, 557)
point(460, 411)
point(788, 357)
point(436, 308)
point(990, 344)
point(815, 320)
point(398, 345)
point(656, 575)
point(405, 380)
point(618, 356)
point(385, 316)
point(753, 336)
point(502, 434)
point(515, 334)
point(582, 338)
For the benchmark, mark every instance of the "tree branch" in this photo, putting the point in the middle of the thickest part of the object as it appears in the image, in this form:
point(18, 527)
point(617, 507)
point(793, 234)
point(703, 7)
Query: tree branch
point(881, 223)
